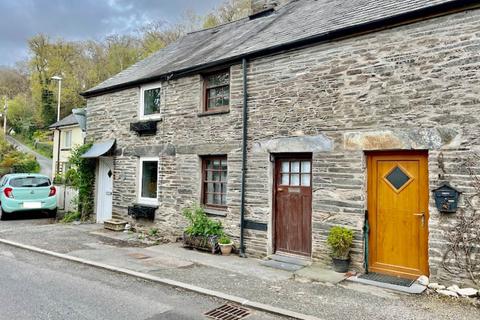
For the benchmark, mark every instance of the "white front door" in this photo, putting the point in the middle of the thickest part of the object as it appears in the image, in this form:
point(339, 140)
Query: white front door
point(105, 189)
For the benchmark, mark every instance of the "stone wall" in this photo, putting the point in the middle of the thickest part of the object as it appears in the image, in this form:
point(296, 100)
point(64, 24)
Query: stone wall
point(410, 87)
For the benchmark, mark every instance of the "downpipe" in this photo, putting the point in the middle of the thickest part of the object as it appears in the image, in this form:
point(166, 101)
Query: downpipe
point(244, 158)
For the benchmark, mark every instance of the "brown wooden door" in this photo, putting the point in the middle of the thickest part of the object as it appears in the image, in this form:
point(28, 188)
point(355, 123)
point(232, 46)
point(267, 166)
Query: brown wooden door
point(398, 213)
point(293, 205)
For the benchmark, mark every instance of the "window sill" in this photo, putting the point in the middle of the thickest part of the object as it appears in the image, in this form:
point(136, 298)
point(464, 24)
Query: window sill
point(147, 203)
point(216, 212)
point(211, 113)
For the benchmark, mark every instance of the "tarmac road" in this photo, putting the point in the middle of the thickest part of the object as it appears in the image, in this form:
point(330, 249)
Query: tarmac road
point(34, 286)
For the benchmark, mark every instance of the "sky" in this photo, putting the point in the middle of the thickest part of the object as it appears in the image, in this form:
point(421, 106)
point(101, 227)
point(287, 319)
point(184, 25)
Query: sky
point(83, 19)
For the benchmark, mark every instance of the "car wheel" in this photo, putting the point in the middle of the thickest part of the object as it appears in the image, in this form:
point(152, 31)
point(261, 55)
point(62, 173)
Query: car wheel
point(52, 213)
point(3, 216)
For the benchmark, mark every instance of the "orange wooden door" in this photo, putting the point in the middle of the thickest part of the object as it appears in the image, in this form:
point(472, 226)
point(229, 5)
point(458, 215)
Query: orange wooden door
point(293, 205)
point(398, 213)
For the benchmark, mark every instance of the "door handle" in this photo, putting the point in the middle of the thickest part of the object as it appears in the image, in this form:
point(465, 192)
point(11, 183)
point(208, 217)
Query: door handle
point(109, 193)
point(421, 214)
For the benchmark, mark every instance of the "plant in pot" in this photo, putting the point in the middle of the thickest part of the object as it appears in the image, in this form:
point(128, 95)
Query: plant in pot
point(225, 244)
point(202, 233)
point(340, 240)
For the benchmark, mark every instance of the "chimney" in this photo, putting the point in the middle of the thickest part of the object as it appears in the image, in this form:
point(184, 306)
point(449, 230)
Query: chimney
point(262, 5)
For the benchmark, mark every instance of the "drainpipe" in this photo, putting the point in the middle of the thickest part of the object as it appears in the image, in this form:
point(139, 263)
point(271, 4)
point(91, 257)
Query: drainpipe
point(244, 158)
point(58, 152)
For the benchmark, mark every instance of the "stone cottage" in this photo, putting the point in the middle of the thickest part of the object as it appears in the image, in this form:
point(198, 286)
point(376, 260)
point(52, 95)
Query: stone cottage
point(304, 115)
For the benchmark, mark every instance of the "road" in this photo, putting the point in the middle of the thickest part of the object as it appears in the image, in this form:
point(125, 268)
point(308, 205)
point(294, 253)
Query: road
point(35, 286)
point(45, 163)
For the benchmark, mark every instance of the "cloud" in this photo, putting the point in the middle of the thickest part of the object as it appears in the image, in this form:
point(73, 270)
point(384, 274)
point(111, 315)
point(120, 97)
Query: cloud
point(85, 19)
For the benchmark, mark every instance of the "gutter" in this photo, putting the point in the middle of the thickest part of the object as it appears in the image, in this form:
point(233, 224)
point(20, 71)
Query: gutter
point(376, 25)
point(244, 158)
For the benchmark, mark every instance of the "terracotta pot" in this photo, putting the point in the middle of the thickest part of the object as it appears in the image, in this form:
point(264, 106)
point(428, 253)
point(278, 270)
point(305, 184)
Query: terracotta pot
point(341, 265)
point(226, 249)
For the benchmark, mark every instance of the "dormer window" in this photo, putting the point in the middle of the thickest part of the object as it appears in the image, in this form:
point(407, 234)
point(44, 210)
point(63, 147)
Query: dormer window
point(217, 91)
point(150, 101)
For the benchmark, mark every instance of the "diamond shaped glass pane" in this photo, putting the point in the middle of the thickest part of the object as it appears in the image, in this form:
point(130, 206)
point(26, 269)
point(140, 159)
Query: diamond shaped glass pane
point(397, 178)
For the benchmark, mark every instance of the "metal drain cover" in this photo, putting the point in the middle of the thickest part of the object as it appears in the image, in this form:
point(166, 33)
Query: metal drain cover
point(228, 312)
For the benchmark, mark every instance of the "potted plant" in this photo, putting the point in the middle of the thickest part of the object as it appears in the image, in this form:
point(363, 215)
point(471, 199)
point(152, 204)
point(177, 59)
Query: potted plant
point(202, 233)
point(340, 240)
point(225, 244)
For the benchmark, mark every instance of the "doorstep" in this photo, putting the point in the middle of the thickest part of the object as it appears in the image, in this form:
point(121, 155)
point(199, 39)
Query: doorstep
point(415, 288)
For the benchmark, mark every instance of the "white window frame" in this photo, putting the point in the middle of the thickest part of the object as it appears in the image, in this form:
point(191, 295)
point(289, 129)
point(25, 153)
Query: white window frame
point(152, 201)
point(67, 133)
point(141, 110)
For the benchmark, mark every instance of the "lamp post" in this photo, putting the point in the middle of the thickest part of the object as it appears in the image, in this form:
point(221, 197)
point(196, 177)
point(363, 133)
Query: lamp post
point(5, 109)
point(59, 79)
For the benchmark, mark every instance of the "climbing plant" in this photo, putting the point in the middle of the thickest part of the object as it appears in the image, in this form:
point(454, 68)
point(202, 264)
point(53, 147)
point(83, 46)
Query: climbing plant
point(463, 251)
point(82, 177)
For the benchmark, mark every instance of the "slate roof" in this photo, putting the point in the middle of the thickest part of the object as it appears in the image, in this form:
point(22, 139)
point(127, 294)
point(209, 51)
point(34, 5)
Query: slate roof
point(300, 19)
point(76, 118)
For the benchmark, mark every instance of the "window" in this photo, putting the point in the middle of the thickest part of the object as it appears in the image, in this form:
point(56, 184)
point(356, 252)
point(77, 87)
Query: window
point(217, 91)
point(150, 101)
point(67, 140)
point(148, 180)
point(296, 173)
point(214, 177)
point(30, 182)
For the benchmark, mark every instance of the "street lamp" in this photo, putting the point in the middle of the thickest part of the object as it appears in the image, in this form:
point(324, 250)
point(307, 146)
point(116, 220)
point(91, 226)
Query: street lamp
point(59, 79)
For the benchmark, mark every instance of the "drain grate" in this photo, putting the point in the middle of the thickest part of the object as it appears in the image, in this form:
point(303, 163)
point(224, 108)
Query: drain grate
point(387, 279)
point(228, 312)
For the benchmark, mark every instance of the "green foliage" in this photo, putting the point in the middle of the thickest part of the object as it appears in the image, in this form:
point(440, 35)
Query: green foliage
point(200, 224)
point(340, 240)
point(71, 216)
point(82, 178)
point(224, 239)
point(14, 161)
point(153, 232)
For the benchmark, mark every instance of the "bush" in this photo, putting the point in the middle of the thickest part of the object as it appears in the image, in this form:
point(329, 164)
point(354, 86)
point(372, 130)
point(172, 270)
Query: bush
point(200, 224)
point(340, 240)
point(19, 162)
point(71, 216)
point(82, 178)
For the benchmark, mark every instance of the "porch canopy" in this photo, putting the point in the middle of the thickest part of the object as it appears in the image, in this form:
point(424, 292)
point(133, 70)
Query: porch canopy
point(99, 149)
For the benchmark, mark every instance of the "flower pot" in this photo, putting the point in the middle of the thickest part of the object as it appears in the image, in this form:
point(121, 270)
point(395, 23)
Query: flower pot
point(341, 265)
point(226, 249)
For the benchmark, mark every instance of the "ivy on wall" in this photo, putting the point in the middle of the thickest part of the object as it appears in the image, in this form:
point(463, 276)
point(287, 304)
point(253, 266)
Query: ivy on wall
point(82, 177)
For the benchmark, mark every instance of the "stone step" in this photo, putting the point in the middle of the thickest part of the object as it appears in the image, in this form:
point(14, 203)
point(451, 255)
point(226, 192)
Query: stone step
point(281, 265)
point(300, 261)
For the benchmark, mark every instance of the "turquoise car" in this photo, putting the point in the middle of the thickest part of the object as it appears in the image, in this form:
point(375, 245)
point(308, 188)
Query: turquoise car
point(27, 192)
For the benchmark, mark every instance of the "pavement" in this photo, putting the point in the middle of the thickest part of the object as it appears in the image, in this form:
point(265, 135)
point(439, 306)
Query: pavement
point(45, 163)
point(241, 278)
point(36, 286)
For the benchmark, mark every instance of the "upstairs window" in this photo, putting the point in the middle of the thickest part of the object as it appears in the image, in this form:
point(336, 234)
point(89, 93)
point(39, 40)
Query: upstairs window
point(67, 139)
point(217, 91)
point(214, 181)
point(150, 101)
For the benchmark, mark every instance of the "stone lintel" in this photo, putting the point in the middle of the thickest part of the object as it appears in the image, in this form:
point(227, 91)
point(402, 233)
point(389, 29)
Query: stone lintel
point(318, 143)
point(398, 139)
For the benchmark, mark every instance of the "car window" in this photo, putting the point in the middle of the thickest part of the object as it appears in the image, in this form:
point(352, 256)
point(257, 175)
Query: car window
point(30, 182)
point(3, 181)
